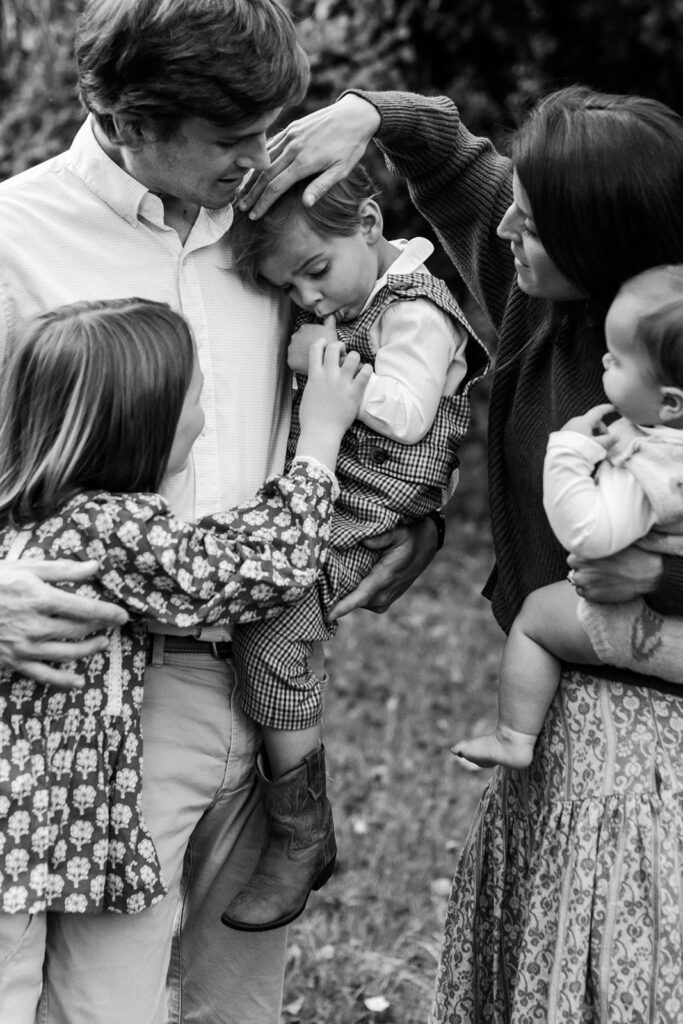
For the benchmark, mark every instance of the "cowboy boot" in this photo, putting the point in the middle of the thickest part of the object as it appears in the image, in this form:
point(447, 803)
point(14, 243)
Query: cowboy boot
point(300, 853)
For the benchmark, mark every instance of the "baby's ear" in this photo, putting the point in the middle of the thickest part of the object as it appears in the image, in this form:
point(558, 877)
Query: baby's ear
point(671, 408)
point(371, 221)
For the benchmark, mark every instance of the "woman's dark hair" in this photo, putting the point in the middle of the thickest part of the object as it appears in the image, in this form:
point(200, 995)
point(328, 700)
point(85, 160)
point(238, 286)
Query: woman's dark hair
point(91, 400)
point(604, 178)
point(336, 213)
point(156, 62)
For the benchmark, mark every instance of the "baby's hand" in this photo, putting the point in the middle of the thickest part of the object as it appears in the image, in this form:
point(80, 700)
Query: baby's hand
point(300, 344)
point(591, 424)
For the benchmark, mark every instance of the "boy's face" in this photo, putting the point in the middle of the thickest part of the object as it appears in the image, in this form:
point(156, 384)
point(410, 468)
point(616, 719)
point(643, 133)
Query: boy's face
point(324, 274)
point(201, 163)
point(629, 378)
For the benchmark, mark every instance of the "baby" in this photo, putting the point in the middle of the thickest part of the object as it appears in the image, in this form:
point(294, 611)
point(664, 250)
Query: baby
point(605, 488)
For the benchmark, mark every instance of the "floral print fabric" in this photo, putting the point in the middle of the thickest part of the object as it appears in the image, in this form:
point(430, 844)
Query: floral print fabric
point(567, 903)
point(72, 837)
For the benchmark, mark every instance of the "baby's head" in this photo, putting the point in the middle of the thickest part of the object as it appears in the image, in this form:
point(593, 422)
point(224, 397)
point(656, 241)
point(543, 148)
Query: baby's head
point(644, 362)
point(326, 257)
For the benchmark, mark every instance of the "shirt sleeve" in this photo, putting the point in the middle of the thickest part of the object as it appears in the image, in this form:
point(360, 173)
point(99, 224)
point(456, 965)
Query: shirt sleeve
point(420, 356)
point(593, 514)
point(235, 566)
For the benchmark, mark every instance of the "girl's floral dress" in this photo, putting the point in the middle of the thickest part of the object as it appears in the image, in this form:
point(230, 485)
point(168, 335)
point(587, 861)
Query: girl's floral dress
point(72, 837)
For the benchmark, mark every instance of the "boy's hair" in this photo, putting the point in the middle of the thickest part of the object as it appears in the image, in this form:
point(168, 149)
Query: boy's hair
point(156, 62)
point(91, 401)
point(604, 177)
point(659, 327)
point(337, 212)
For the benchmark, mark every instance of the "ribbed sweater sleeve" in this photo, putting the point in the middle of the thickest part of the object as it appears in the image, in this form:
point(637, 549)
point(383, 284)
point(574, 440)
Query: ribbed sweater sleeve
point(458, 182)
point(548, 369)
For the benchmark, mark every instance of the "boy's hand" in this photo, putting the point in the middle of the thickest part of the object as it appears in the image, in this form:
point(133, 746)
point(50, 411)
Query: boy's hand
point(592, 424)
point(300, 344)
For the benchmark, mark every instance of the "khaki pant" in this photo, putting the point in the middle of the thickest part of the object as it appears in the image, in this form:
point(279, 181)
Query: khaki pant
point(204, 813)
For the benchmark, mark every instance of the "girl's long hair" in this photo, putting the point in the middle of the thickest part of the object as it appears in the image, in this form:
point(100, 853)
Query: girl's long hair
point(91, 399)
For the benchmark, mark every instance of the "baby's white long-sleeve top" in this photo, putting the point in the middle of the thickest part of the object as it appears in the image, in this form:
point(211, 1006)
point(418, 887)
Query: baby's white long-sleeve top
point(594, 507)
point(420, 356)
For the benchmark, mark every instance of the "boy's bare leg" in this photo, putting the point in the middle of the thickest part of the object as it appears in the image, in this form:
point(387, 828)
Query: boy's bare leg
point(285, 749)
point(545, 633)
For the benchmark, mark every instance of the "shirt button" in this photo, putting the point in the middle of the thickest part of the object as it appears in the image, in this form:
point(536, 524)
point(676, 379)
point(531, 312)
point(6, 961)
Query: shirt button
point(379, 456)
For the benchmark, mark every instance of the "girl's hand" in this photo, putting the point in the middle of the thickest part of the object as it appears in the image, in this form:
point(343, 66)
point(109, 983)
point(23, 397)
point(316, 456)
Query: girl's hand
point(40, 623)
point(301, 341)
point(331, 140)
point(331, 399)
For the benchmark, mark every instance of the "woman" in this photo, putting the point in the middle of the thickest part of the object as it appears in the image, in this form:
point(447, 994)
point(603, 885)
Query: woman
point(567, 901)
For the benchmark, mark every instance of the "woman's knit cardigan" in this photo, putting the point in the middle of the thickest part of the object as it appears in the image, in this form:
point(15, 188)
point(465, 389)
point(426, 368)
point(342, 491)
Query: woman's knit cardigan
point(462, 186)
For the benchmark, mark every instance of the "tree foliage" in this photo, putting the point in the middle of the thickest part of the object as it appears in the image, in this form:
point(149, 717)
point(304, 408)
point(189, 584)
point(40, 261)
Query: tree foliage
point(494, 57)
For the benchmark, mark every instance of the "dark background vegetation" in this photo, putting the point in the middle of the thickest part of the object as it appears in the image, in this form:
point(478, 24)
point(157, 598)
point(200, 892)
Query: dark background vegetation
point(407, 684)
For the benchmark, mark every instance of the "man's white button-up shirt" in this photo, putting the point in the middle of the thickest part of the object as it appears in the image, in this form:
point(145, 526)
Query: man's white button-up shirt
point(79, 227)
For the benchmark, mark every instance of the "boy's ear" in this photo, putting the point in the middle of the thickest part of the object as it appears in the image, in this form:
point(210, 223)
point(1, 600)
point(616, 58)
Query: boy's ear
point(371, 221)
point(672, 404)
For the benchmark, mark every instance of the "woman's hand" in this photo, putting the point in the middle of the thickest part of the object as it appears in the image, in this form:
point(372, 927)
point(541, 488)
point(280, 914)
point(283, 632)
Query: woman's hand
point(408, 551)
point(331, 140)
point(40, 623)
point(621, 577)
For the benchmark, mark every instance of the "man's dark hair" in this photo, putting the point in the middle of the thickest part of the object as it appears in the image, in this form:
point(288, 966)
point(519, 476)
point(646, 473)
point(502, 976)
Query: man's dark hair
point(157, 62)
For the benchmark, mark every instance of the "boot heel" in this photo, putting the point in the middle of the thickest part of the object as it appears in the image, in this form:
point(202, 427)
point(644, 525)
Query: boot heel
point(324, 875)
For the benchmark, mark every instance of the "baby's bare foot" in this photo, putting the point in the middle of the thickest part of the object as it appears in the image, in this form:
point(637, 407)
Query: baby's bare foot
point(505, 746)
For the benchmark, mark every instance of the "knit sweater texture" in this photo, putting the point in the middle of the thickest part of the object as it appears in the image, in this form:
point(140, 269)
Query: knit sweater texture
point(546, 370)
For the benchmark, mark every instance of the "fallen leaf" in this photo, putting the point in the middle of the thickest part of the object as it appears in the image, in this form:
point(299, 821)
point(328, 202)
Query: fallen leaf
point(376, 1004)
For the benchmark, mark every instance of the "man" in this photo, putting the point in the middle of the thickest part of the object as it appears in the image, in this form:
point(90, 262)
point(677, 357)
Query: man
point(181, 95)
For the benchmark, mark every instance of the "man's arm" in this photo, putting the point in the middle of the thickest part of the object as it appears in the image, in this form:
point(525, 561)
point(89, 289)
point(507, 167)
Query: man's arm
point(40, 623)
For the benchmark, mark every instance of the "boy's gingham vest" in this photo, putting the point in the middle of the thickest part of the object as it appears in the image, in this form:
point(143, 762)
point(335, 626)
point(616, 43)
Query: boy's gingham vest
point(384, 482)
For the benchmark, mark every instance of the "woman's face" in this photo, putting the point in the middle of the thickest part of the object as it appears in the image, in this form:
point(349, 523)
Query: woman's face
point(537, 275)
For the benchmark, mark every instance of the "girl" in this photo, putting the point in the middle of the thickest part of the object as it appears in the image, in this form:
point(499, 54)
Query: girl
point(604, 488)
point(101, 400)
point(397, 463)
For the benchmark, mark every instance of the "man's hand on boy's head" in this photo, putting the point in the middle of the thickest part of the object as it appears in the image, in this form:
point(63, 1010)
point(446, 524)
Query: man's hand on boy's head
point(301, 341)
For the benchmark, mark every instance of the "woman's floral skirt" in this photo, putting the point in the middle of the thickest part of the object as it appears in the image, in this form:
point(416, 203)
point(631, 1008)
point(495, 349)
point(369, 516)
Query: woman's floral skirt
point(567, 902)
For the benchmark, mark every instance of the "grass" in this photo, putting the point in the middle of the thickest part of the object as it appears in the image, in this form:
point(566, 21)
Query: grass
point(405, 686)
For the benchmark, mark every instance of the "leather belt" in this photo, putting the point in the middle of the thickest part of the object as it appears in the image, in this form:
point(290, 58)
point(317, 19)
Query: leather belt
point(221, 650)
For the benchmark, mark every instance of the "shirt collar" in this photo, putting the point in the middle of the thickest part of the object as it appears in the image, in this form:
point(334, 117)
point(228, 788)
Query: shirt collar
point(411, 257)
point(125, 195)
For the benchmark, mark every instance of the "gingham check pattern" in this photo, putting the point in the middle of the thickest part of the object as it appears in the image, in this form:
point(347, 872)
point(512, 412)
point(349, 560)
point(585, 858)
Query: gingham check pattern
point(383, 483)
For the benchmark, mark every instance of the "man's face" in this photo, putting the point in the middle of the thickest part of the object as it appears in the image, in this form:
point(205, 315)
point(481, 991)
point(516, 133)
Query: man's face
point(201, 163)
